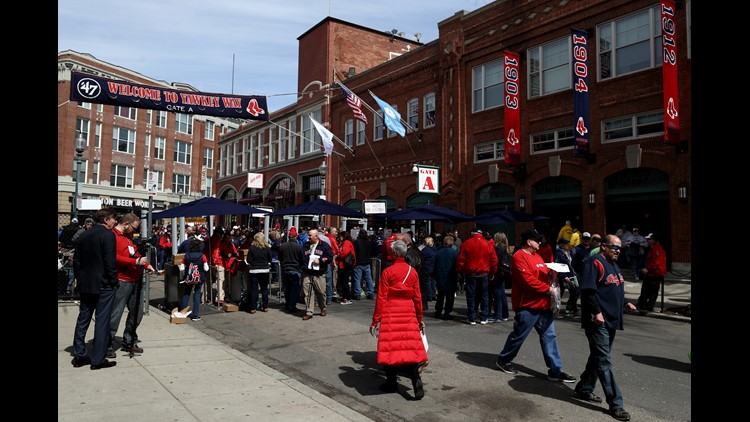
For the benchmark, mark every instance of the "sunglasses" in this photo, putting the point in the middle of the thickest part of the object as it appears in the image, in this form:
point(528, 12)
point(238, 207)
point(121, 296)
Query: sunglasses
point(613, 247)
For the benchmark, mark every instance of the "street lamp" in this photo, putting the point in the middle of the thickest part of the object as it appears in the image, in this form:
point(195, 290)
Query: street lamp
point(80, 145)
point(323, 169)
point(180, 192)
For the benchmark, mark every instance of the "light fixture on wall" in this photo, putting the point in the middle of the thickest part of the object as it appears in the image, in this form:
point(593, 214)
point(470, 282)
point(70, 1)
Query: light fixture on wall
point(592, 199)
point(682, 192)
point(415, 168)
point(522, 202)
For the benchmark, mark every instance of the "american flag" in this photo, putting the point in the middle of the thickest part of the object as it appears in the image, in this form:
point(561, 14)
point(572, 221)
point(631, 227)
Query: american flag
point(355, 103)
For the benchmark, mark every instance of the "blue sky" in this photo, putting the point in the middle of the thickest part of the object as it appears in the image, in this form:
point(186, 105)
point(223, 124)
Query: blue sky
point(194, 41)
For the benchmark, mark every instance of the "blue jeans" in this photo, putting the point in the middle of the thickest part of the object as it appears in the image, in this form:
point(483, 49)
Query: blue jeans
point(599, 365)
point(128, 295)
point(329, 283)
point(543, 322)
point(472, 284)
point(292, 286)
point(498, 298)
point(367, 271)
point(259, 281)
point(94, 305)
point(196, 288)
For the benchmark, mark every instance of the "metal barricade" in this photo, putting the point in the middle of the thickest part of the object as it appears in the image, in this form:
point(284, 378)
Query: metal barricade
point(375, 269)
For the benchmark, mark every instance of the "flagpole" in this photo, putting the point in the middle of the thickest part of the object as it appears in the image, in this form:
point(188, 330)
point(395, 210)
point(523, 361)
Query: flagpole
point(302, 137)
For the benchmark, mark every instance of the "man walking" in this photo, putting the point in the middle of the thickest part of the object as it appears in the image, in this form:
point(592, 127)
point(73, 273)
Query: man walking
point(602, 304)
point(531, 302)
point(477, 261)
point(656, 269)
point(290, 258)
point(95, 268)
point(317, 256)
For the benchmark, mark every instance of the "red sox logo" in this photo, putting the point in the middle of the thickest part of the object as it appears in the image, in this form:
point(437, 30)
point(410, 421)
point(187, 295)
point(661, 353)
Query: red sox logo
point(253, 108)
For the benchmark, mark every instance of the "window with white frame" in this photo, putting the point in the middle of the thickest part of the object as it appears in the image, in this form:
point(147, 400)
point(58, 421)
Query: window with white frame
point(79, 171)
point(379, 126)
point(161, 118)
point(100, 108)
point(149, 116)
point(181, 182)
point(121, 176)
point(261, 150)
point(184, 123)
point(253, 150)
point(98, 135)
point(554, 140)
point(360, 132)
point(549, 67)
point(84, 105)
point(237, 150)
point(160, 146)
point(630, 44)
point(209, 186)
point(230, 160)
point(291, 148)
point(487, 86)
point(283, 140)
point(182, 152)
point(412, 113)
point(123, 140)
point(208, 157)
point(209, 133)
point(126, 112)
point(82, 127)
point(633, 127)
point(245, 154)
point(96, 172)
point(273, 145)
point(222, 161)
point(147, 148)
point(429, 110)
point(311, 140)
point(390, 133)
point(489, 151)
point(349, 133)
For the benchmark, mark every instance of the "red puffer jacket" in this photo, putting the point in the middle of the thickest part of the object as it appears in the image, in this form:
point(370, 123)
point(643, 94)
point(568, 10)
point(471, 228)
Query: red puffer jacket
point(398, 309)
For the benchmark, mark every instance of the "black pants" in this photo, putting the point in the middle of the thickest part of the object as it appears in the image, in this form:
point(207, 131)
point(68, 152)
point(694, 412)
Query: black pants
point(444, 296)
point(391, 372)
point(649, 293)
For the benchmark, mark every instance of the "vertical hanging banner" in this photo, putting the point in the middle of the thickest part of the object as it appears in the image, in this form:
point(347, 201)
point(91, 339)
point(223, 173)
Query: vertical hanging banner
point(582, 146)
point(512, 124)
point(94, 89)
point(669, 73)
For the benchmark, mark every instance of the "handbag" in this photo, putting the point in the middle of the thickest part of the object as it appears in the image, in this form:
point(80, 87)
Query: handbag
point(424, 340)
point(349, 261)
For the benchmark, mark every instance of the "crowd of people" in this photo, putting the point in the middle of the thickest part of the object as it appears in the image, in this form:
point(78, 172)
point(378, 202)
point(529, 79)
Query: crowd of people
point(320, 266)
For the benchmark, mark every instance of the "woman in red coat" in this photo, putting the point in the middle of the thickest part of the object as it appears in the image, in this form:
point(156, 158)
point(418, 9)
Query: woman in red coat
point(346, 273)
point(398, 309)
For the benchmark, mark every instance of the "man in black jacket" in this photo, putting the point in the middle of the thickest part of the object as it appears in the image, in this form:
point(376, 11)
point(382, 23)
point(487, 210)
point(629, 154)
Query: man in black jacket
point(95, 268)
point(363, 251)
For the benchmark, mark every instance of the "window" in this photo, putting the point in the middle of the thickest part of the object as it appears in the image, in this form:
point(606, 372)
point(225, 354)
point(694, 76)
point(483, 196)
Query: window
point(184, 123)
point(79, 172)
point(98, 136)
point(489, 151)
point(360, 132)
point(100, 108)
point(126, 112)
point(378, 126)
point(389, 132)
point(95, 174)
point(631, 127)
point(181, 182)
point(630, 44)
point(261, 149)
point(349, 132)
point(553, 141)
point(121, 176)
point(310, 137)
point(549, 68)
point(149, 116)
point(283, 141)
point(160, 145)
point(429, 110)
point(123, 140)
point(487, 85)
point(84, 105)
point(291, 148)
point(147, 148)
point(245, 153)
point(182, 152)
point(412, 112)
point(222, 161)
point(208, 157)
point(209, 186)
point(82, 126)
point(273, 145)
point(253, 150)
point(238, 164)
point(209, 133)
point(161, 118)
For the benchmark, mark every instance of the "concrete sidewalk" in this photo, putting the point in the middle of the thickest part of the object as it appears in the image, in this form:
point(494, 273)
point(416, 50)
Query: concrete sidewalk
point(182, 375)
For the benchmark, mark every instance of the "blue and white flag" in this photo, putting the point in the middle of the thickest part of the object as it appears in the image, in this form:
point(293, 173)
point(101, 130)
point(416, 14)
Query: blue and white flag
point(325, 134)
point(391, 118)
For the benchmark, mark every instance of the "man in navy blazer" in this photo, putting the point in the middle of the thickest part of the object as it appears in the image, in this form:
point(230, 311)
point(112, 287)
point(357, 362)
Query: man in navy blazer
point(95, 269)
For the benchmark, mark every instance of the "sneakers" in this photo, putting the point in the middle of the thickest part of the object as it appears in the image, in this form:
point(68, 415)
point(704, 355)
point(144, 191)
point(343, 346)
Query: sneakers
point(370, 296)
point(619, 413)
point(484, 321)
point(506, 367)
point(323, 312)
point(346, 302)
point(195, 318)
point(561, 377)
point(81, 361)
point(111, 353)
point(136, 349)
point(472, 322)
point(590, 397)
point(490, 320)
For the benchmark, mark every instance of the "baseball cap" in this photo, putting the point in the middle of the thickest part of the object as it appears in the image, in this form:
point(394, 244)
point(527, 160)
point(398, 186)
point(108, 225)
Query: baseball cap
point(651, 236)
point(476, 230)
point(74, 220)
point(586, 235)
point(293, 232)
point(635, 229)
point(563, 241)
point(530, 234)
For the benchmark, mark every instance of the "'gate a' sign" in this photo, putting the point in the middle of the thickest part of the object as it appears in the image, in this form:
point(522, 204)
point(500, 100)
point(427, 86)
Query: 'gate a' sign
point(428, 179)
